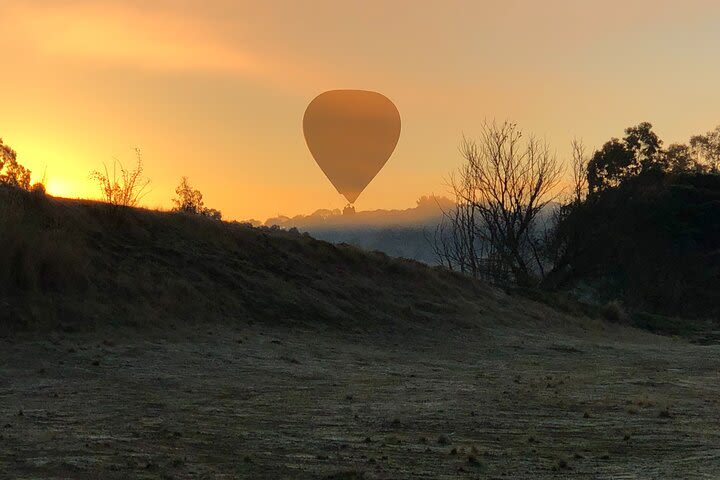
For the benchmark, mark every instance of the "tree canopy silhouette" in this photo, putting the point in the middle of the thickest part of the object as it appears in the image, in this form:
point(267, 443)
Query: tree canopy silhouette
point(640, 150)
point(707, 149)
point(11, 172)
point(190, 200)
point(648, 232)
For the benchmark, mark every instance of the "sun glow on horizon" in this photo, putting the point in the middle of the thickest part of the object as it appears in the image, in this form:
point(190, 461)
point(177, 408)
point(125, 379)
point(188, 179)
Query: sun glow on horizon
point(61, 188)
point(216, 90)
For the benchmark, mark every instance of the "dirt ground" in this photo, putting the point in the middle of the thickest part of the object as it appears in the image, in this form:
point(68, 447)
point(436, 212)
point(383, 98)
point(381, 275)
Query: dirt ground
point(484, 399)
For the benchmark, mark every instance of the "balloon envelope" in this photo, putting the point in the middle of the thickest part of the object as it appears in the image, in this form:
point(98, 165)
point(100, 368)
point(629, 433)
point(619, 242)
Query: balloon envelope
point(351, 134)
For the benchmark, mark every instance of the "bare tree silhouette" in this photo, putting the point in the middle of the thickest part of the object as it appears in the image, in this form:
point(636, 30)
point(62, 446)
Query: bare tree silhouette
point(501, 188)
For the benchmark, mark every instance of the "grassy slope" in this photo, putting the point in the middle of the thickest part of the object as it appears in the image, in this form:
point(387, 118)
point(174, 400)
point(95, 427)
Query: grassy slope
point(78, 264)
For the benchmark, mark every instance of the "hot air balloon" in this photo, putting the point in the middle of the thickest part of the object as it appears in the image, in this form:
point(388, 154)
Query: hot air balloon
point(351, 134)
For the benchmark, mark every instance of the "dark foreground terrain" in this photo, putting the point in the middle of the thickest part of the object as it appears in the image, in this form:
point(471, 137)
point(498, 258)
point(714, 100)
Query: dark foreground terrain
point(140, 344)
point(483, 399)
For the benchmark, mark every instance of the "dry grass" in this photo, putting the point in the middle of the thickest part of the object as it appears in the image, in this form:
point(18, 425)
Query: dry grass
point(79, 264)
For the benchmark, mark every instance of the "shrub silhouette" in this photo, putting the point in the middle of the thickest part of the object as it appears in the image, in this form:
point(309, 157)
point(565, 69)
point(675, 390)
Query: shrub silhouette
point(14, 174)
point(190, 200)
point(124, 187)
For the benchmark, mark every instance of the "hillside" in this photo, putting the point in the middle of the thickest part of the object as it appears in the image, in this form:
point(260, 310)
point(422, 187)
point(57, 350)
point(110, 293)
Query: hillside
point(78, 264)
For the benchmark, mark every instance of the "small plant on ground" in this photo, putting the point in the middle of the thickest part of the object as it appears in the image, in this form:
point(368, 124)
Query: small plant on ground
point(473, 460)
point(562, 464)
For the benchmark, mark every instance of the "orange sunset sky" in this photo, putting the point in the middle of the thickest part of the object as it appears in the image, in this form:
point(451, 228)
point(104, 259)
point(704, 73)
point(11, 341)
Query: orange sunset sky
point(216, 89)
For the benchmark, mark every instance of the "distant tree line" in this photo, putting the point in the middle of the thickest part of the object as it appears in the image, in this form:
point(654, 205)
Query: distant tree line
point(640, 151)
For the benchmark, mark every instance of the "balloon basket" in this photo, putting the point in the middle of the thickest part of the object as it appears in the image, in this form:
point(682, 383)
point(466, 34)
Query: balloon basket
point(349, 209)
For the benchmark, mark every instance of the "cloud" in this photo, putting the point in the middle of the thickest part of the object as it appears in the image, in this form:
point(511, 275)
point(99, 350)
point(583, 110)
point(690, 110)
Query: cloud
point(114, 35)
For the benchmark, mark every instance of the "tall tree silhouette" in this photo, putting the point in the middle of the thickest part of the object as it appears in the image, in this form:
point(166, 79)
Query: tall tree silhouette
point(11, 172)
point(707, 148)
point(640, 150)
